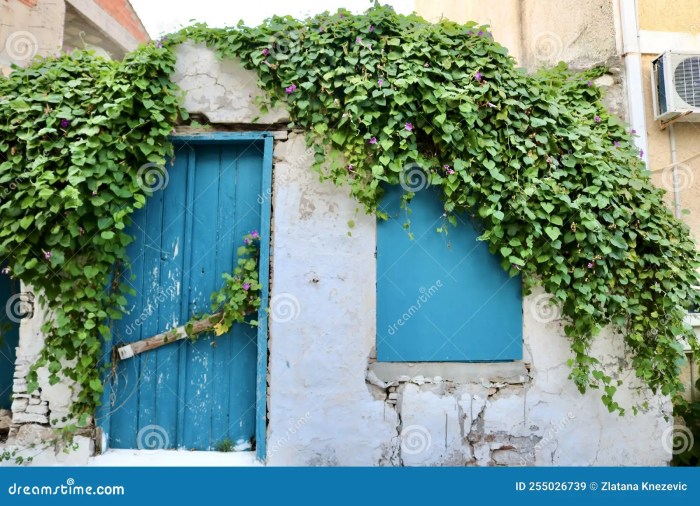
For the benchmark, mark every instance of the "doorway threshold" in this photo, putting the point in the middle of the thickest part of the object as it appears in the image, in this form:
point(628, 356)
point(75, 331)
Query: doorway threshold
point(174, 458)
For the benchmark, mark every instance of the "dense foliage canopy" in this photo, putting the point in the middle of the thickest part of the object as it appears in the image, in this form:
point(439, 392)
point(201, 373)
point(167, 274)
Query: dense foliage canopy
point(554, 178)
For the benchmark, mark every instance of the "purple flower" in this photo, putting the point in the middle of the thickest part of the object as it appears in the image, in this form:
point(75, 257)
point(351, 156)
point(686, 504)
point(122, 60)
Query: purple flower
point(371, 28)
point(290, 89)
point(491, 104)
point(159, 44)
point(633, 131)
point(478, 76)
point(597, 119)
point(480, 33)
point(409, 126)
point(351, 167)
point(450, 171)
point(590, 83)
point(254, 234)
point(358, 40)
point(265, 52)
point(590, 265)
point(246, 240)
point(641, 153)
point(616, 144)
point(246, 286)
point(65, 123)
point(47, 255)
point(380, 82)
point(373, 140)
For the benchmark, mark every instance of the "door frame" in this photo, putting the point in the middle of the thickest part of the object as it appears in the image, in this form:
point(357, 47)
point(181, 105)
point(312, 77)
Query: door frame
point(102, 415)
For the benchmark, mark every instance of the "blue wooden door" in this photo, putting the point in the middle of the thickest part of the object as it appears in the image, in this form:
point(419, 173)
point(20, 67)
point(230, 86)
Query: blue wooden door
point(199, 395)
point(9, 336)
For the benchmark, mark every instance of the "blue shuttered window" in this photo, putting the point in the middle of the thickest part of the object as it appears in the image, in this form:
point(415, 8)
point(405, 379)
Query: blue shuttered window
point(441, 297)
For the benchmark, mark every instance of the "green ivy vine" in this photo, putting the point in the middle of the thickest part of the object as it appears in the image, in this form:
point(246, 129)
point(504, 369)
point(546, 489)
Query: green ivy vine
point(78, 136)
point(238, 298)
point(553, 176)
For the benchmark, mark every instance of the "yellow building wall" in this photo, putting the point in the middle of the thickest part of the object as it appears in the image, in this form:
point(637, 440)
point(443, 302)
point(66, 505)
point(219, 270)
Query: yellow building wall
point(669, 15)
point(679, 16)
point(504, 17)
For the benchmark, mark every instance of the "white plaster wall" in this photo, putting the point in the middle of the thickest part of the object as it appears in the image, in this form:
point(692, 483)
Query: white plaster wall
point(321, 324)
point(322, 411)
point(26, 32)
point(221, 90)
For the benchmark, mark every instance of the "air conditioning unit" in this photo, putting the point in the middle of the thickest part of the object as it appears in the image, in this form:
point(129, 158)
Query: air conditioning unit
point(675, 85)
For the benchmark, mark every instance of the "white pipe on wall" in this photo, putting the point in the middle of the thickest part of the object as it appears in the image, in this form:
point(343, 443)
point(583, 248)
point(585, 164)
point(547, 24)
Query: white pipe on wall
point(633, 72)
point(676, 185)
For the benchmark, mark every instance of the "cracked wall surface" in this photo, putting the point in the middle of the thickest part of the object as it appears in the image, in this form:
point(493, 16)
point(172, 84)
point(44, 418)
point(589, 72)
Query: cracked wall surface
point(221, 90)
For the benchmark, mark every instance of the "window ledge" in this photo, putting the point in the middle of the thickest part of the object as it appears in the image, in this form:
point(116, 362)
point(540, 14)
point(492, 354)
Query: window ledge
point(458, 372)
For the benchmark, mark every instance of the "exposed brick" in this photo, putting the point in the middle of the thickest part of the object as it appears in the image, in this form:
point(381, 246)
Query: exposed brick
point(124, 14)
